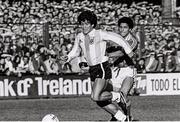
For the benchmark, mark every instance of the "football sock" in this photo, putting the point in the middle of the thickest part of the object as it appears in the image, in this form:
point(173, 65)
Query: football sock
point(120, 116)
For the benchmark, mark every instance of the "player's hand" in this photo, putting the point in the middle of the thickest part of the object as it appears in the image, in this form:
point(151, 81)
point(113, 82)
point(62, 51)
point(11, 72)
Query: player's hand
point(64, 58)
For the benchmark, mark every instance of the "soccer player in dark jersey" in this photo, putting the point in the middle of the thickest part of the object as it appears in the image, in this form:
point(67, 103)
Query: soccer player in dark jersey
point(123, 70)
point(92, 43)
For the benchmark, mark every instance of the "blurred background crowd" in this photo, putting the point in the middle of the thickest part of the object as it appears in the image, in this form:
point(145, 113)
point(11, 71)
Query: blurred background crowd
point(22, 25)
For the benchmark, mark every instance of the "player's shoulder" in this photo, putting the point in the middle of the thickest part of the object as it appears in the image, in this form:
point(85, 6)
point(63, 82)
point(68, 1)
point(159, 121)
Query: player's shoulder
point(98, 31)
point(80, 35)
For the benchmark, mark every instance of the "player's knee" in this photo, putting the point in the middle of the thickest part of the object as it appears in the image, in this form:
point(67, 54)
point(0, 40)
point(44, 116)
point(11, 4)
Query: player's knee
point(94, 97)
point(103, 103)
point(101, 97)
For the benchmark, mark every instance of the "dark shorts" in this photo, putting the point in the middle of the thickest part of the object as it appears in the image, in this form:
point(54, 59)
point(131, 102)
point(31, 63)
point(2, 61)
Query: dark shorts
point(100, 71)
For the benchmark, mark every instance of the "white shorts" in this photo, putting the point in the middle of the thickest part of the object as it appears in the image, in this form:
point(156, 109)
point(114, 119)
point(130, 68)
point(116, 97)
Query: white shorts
point(119, 74)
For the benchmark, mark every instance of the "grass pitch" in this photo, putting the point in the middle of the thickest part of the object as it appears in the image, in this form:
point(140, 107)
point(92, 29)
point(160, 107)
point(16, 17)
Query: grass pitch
point(144, 108)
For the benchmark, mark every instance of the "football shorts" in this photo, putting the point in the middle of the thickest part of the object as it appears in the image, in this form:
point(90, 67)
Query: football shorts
point(119, 74)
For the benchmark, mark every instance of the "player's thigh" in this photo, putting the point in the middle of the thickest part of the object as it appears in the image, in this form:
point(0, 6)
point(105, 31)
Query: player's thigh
point(98, 87)
point(127, 85)
point(109, 86)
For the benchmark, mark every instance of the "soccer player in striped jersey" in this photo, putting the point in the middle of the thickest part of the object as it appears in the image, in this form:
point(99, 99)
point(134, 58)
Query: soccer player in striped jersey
point(92, 43)
point(123, 70)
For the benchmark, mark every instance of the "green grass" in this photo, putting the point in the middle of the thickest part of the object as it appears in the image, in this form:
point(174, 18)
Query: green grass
point(144, 108)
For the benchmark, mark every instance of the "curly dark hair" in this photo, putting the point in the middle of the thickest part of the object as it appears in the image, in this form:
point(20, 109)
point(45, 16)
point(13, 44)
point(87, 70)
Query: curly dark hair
point(88, 16)
point(127, 20)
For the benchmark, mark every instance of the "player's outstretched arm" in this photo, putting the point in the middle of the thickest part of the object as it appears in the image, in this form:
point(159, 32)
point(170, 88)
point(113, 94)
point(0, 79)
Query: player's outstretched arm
point(118, 39)
point(75, 50)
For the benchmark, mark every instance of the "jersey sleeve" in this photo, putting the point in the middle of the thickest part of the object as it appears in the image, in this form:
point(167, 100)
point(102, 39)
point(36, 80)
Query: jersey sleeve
point(117, 39)
point(75, 50)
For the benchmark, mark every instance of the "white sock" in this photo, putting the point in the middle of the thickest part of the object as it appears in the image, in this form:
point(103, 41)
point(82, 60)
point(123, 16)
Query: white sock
point(120, 116)
point(115, 96)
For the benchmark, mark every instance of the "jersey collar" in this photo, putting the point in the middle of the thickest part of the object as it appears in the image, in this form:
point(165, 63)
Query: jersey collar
point(92, 33)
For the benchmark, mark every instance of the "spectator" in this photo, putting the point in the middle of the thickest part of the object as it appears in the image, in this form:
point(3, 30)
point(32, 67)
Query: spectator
point(33, 48)
point(177, 57)
point(2, 66)
point(161, 63)
point(1, 47)
point(140, 65)
point(23, 67)
point(16, 62)
point(176, 42)
point(151, 62)
point(9, 69)
point(170, 62)
point(38, 67)
point(51, 65)
point(63, 50)
point(50, 50)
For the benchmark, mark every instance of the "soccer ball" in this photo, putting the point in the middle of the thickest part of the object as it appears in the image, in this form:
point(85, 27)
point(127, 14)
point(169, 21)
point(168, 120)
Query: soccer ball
point(50, 118)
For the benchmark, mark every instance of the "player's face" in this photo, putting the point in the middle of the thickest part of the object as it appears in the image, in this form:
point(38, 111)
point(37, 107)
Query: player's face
point(86, 27)
point(124, 29)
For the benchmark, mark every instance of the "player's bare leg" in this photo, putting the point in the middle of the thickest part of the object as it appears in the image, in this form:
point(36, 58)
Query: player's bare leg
point(127, 85)
point(98, 87)
point(125, 89)
point(103, 99)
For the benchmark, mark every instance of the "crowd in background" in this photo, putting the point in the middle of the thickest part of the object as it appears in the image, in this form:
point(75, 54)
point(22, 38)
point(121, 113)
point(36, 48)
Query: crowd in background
point(23, 50)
